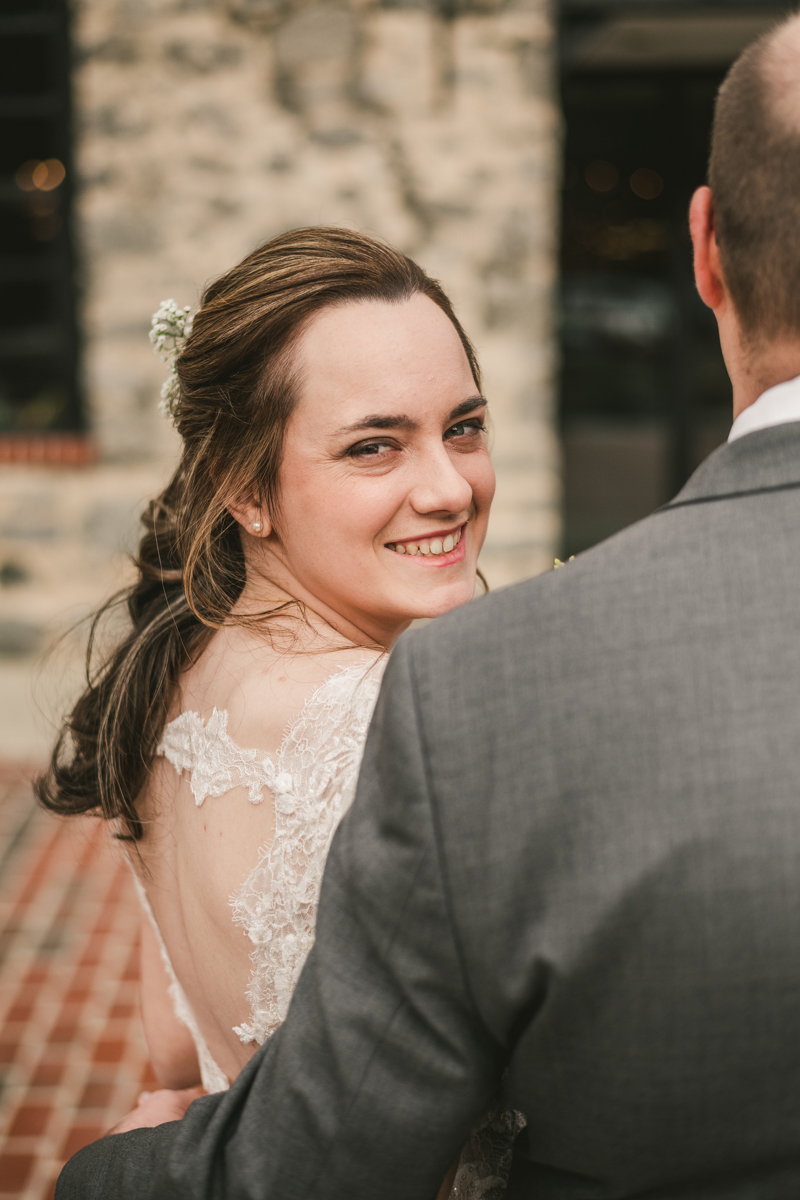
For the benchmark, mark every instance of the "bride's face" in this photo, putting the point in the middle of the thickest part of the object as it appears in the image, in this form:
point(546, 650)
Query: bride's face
point(386, 481)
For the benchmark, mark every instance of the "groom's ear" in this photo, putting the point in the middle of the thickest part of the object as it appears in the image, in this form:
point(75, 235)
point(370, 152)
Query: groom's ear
point(707, 268)
point(251, 515)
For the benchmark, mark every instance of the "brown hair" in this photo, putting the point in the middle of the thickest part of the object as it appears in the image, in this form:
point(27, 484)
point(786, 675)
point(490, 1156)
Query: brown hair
point(235, 399)
point(754, 175)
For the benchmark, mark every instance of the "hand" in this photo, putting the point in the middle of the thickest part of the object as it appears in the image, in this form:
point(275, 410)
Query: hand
point(154, 1108)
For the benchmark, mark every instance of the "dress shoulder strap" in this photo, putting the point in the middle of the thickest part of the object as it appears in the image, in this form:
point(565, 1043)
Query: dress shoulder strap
point(343, 701)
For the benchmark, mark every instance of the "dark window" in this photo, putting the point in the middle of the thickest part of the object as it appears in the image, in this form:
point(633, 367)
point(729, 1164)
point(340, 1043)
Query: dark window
point(38, 337)
point(644, 391)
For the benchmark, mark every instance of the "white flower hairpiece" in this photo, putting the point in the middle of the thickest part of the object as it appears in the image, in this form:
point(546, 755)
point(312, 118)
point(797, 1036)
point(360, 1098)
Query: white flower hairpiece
point(169, 329)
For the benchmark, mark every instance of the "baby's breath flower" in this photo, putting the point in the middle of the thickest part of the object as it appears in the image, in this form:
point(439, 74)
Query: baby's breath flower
point(169, 329)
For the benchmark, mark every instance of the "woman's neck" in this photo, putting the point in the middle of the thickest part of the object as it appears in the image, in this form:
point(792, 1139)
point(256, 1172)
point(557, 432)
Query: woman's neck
point(314, 623)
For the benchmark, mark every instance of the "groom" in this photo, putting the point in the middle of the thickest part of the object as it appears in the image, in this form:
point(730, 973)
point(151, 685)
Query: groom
point(571, 876)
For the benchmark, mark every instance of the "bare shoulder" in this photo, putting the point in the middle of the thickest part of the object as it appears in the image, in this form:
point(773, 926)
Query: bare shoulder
point(263, 690)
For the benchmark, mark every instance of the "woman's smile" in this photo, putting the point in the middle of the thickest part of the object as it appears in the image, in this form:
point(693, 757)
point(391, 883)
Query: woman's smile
point(439, 549)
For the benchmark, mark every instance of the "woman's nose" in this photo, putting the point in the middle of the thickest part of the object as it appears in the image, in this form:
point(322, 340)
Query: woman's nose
point(439, 486)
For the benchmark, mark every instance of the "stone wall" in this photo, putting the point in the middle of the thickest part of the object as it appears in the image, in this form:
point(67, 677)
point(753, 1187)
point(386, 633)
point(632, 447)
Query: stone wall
point(207, 126)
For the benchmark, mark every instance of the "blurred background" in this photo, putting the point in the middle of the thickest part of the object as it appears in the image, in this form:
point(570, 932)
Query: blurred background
point(642, 395)
point(537, 157)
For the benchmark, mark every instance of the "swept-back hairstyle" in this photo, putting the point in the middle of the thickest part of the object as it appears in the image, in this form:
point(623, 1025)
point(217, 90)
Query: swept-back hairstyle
point(236, 396)
point(754, 175)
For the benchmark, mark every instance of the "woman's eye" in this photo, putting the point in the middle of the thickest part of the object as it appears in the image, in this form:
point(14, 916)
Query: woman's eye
point(368, 449)
point(464, 429)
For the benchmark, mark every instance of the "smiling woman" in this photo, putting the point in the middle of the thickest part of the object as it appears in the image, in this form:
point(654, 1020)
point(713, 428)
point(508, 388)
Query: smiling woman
point(385, 447)
point(335, 484)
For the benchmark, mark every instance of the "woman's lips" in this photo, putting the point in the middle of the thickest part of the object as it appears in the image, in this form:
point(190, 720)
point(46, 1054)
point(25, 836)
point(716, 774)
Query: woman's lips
point(436, 550)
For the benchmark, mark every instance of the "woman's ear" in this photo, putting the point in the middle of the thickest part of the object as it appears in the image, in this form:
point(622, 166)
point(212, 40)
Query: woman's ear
point(252, 517)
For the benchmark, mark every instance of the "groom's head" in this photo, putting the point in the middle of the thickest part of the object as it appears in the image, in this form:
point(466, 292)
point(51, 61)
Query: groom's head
point(746, 230)
point(754, 174)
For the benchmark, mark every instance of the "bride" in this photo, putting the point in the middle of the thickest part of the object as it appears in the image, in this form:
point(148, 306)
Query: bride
point(334, 484)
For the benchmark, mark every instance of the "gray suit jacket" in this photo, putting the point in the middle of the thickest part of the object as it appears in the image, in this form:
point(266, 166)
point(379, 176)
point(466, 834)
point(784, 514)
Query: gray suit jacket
point(571, 874)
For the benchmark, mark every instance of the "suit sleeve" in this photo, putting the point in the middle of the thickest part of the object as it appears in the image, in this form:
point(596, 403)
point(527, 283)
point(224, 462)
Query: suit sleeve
point(382, 1065)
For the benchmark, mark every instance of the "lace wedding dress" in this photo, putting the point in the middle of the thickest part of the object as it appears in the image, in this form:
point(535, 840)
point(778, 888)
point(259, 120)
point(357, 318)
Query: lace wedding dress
point(312, 781)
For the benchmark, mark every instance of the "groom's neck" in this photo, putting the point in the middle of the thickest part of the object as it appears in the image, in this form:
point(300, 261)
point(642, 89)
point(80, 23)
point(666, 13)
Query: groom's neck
point(755, 365)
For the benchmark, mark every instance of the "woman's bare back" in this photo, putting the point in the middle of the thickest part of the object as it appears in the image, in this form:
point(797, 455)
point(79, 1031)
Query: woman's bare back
point(268, 746)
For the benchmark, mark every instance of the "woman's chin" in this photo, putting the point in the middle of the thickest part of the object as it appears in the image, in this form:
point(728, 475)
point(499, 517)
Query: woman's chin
point(436, 602)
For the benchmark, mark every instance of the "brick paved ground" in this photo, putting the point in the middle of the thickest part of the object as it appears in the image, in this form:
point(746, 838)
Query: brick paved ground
point(72, 1054)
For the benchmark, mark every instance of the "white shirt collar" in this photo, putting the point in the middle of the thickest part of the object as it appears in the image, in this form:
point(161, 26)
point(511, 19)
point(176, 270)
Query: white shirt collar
point(777, 406)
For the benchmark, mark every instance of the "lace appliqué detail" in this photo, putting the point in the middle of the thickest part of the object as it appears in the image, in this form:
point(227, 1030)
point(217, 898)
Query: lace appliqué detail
point(313, 782)
point(217, 764)
point(485, 1162)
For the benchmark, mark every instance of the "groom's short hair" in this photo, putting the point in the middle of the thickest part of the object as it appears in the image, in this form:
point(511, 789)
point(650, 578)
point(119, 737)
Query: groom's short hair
point(754, 175)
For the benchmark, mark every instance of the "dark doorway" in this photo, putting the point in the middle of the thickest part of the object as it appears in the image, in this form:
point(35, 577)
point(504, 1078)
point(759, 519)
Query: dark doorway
point(644, 391)
point(39, 391)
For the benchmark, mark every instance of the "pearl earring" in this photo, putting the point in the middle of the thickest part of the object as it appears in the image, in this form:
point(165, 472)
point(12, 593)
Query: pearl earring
point(256, 527)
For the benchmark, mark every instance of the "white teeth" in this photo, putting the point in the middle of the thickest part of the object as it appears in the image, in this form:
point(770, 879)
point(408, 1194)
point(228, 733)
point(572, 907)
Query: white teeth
point(435, 546)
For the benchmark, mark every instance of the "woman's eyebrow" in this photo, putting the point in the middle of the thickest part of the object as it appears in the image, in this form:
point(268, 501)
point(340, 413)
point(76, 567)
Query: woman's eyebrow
point(401, 421)
point(398, 421)
point(468, 406)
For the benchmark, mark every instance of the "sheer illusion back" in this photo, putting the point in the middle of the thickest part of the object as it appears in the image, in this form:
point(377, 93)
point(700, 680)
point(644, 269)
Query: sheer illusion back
point(311, 782)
